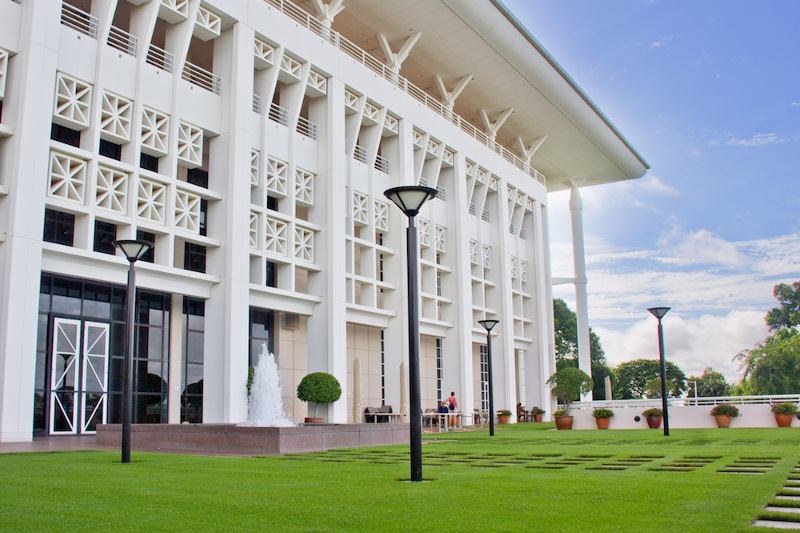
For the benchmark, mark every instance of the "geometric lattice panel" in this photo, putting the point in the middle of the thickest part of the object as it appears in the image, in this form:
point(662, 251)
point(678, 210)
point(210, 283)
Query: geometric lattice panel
point(151, 201)
point(73, 102)
point(111, 189)
point(190, 145)
point(155, 132)
point(115, 118)
point(67, 178)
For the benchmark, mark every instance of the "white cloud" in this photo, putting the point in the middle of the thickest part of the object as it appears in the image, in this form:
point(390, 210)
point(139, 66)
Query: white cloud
point(663, 42)
point(760, 139)
point(699, 247)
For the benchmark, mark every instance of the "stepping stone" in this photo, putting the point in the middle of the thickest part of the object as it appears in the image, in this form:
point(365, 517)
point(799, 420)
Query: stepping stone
point(782, 509)
point(776, 524)
point(793, 489)
point(782, 497)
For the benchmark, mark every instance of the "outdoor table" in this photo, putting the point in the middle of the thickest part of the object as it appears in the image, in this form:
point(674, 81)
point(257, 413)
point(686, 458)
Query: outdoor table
point(389, 417)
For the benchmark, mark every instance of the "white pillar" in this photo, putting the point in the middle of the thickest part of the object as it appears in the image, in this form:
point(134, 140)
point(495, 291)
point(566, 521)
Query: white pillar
point(581, 298)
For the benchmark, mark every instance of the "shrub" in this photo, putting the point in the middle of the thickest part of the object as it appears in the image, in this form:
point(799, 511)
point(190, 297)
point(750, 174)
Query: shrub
point(725, 409)
point(653, 411)
point(784, 408)
point(560, 412)
point(603, 413)
point(505, 412)
point(569, 384)
point(319, 387)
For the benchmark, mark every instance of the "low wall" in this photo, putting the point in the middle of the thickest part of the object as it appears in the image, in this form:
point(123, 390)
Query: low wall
point(680, 417)
point(242, 440)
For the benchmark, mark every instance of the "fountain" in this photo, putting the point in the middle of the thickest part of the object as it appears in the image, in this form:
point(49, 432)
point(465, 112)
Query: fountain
point(265, 405)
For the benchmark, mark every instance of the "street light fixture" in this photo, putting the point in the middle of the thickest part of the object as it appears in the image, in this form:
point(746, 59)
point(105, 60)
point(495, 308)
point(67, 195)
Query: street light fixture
point(659, 313)
point(488, 325)
point(133, 250)
point(410, 199)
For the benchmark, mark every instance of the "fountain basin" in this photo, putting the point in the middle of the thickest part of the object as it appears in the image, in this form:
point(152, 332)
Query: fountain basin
point(231, 439)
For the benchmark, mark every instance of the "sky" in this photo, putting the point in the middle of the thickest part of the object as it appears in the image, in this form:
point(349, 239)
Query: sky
point(708, 92)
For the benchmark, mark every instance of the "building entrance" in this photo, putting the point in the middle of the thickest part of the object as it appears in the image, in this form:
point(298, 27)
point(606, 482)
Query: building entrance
point(78, 387)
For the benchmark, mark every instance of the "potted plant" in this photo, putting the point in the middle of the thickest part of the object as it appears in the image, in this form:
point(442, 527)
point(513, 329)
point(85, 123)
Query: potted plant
point(503, 416)
point(539, 415)
point(602, 417)
point(317, 388)
point(568, 385)
point(723, 413)
point(784, 411)
point(654, 416)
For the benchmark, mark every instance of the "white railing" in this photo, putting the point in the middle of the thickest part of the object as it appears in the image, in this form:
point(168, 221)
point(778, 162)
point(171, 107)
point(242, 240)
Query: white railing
point(122, 40)
point(485, 216)
point(202, 78)
point(307, 128)
point(76, 19)
point(256, 104)
point(360, 154)
point(372, 63)
point(278, 114)
point(646, 403)
point(382, 164)
point(161, 59)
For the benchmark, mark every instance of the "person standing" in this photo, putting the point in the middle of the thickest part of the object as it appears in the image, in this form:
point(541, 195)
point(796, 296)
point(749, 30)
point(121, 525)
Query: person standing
point(452, 405)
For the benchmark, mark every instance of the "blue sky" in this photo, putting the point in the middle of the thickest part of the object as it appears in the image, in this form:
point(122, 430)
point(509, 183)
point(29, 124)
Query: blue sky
point(709, 93)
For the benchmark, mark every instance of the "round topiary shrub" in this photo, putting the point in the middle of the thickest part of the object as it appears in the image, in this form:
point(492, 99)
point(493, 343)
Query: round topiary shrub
point(319, 387)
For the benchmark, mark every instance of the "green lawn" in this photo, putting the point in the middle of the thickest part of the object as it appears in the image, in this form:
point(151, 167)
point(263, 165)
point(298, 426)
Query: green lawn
point(523, 479)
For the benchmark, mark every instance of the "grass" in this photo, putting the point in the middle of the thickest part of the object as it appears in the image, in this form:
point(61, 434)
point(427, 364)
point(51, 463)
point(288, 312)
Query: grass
point(523, 479)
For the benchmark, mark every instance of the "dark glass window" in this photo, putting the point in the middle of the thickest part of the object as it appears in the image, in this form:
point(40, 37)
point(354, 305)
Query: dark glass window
point(262, 325)
point(104, 236)
point(152, 360)
point(193, 356)
point(111, 150)
point(148, 162)
point(272, 274)
point(150, 255)
point(59, 227)
point(194, 257)
point(65, 135)
point(272, 203)
point(197, 176)
point(203, 217)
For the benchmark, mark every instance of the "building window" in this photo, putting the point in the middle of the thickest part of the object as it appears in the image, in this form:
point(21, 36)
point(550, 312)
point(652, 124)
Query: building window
point(104, 236)
point(65, 135)
point(194, 257)
point(193, 358)
point(272, 274)
point(485, 379)
point(151, 361)
point(262, 326)
point(439, 371)
point(383, 370)
point(59, 228)
point(203, 226)
point(197, 176)
point(272, 203)
point(150, 255)
point(110, 150)
point(148, 162)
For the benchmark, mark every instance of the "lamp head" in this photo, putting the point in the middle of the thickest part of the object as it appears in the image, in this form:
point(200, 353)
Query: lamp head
point(488, 324)
point(410, 198)
point(659, 312)
point(133, 249)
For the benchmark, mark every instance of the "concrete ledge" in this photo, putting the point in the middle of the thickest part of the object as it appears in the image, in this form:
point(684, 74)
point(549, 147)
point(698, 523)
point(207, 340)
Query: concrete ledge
point(230, 439)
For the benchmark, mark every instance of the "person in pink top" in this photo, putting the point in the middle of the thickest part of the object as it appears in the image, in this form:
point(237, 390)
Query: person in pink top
point(452, 405)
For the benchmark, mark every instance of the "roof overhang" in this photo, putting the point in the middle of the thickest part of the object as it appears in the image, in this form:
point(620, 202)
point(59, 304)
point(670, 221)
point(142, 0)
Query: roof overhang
point(511, 69)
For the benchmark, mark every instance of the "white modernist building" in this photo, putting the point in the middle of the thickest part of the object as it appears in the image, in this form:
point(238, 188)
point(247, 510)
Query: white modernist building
point(252, 141)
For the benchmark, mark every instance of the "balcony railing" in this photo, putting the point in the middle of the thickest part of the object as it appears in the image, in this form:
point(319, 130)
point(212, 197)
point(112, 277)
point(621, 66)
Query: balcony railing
point(161, 59)
point(122, 40)
point(360, 154)
point(307, 128)
point(312, 24)
point(485, 216)
point(256, 104)
point(382, 164)
point(278, 114)
point(78, 20)
point(202, 78)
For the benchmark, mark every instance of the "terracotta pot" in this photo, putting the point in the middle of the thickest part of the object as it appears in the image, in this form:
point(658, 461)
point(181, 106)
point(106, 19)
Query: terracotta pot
point(503, 419)
point(563, 422)
point(314, 420)
point(538, 418)
point(784, 421)
point(602, 423)
point(654, 422)
point(723, 421)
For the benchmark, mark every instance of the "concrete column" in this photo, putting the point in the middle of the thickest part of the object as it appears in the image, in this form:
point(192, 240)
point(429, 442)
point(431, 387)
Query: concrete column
point(581, 298)
point(176, 361)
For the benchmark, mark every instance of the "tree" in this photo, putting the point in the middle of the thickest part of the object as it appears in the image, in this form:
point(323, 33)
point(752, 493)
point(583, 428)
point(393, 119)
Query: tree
point(709, 385)
point(787, 316)
point(569, 384)
point(633, 376)
point(566, 340)
point(773, 365)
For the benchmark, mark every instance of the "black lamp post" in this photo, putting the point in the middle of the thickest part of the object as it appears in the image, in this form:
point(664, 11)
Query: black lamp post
point(410, 200)
point(488, 325)
point(133, 250)
point(659, 313)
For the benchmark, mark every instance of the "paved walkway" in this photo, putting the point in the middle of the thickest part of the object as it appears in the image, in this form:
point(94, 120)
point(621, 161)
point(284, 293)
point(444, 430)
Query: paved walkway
point(53, 444)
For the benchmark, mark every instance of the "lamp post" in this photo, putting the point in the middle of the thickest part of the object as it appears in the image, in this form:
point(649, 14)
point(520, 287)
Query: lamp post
point(659, 313)
point(410, 200)
point(133, 250)
point(488, 325)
